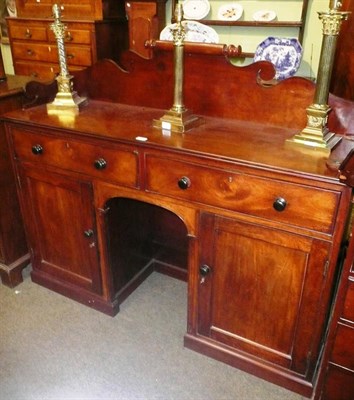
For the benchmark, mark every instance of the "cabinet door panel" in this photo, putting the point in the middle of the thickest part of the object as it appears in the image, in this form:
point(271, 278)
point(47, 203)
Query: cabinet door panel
point(60, 212)
point(263, 293)
point(339, 384)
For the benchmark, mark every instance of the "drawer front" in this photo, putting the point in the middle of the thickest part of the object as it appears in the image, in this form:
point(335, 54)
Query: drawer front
point(45, 71)
point(70, 9)
point(119, 165)
point(348, 309)
point(28, 31)
point(343, 348)
point(305, 206)
point(73, 35)
point(79, 55)
point(43, 52)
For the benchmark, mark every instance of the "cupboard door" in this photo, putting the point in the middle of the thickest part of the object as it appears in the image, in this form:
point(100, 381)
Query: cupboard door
point(262, 292)
point(60, 218)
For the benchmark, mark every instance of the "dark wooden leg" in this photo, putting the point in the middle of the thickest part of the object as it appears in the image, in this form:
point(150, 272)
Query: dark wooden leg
point(11, 275)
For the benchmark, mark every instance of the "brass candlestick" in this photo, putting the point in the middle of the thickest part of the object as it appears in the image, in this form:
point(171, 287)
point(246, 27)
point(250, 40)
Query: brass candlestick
point(178, 118)
point(316, 134)
point(66, 100)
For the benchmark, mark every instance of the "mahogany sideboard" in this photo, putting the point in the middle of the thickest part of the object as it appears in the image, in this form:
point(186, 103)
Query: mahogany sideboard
point(14, 254)
point(256, 227)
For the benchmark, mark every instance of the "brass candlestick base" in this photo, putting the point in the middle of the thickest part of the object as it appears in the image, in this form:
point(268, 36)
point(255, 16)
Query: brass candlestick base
point(316, 135)
point(66, 99)
point(177, 121)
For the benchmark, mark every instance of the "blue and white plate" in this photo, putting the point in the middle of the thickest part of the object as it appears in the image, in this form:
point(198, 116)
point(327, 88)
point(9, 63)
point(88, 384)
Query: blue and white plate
point(284, 53)
point(195, 32)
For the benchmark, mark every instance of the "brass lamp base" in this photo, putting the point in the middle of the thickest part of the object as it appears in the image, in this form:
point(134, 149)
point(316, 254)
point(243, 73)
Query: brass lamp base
point(316, 134)
point(325, 145)
point(66, 102)
point(177, 121)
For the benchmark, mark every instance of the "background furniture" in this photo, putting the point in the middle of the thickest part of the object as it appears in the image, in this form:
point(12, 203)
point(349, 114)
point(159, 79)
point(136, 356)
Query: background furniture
point(106, 199)
point(146, 20)
point(13, 247)
point(336, 378)
point(342, 83)
point(95, 30)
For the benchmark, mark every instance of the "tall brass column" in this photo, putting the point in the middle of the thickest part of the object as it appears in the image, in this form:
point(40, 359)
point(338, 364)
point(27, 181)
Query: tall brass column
point(66, 99)
point(316, 134)
point(178, 118)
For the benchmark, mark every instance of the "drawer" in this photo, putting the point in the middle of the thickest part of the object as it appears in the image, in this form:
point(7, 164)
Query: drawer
point(76, 33)
point(348, 309)
point(343, 348)
point(119, 165)
point(70, 9)
point(27, 31)
point(43, 52)
point(306, 207)
point(73, 35)
point(45, 71)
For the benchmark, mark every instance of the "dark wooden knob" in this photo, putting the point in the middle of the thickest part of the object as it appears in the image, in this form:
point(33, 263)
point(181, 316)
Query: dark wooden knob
point(88, 233)
point(204, 270)
point(37, 149)
point(184, 183)
point(279, 204)
point(100, 163)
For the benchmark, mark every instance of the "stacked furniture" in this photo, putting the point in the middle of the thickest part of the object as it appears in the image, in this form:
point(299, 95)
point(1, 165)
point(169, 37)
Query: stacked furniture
point(95, 29)
point(14, 255)
point(336, 379)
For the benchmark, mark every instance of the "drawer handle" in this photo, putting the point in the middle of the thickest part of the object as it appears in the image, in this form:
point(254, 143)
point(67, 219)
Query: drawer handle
point(184, 183)
point(88, 233)
point(204, 271)
point(100, 163)
point(279, 204)
point(70, 56)
point(28, 34)
point(69, 37)
point(37, 149)
point(30, 52)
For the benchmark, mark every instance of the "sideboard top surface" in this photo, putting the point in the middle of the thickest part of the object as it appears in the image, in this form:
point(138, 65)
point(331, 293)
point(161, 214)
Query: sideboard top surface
point(248, 143)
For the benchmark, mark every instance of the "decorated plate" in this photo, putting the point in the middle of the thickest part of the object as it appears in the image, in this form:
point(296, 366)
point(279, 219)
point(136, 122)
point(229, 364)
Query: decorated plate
point(284, 53)
point(230, 12)
point(195, 9)
point(195, 32)
point(11, 8)
point(264, 16)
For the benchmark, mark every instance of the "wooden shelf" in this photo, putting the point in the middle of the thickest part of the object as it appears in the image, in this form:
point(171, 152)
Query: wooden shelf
point(300, 24)
point(279, 24)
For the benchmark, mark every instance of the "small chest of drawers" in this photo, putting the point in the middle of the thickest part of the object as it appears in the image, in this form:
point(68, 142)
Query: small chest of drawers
point(35, 52)
point(337, 375)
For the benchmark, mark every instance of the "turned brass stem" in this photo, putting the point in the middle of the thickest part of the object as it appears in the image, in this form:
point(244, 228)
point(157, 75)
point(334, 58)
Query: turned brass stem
point(178, 118)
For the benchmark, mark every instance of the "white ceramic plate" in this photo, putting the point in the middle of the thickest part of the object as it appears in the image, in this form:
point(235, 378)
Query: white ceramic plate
point(284, 53)
point(195, 9)
point(264, 16)
point(11, 8)
point(195, 32)
point(230, 12)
